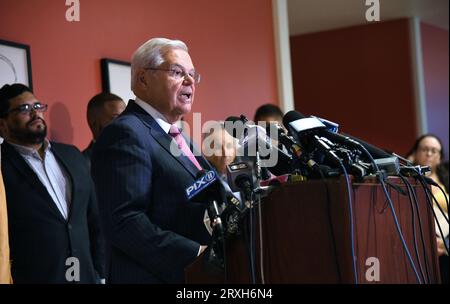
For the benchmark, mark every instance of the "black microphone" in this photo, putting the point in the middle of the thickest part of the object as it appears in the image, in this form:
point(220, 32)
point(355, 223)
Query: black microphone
point(283, 138)
point(252, 139)
point(292, 122)
point(305, 130)
point(240, 178)
point(286, 140)
point(209, 188)
point(417, 170)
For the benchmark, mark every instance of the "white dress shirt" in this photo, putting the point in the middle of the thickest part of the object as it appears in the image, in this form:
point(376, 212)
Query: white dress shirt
point(51, 174)
point(159, 118)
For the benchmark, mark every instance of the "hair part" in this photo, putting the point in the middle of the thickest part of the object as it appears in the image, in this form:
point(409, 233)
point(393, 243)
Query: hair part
point(151, 54)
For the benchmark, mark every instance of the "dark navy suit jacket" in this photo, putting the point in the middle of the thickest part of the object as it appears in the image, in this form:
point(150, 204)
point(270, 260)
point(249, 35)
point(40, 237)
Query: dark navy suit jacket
point(41, 239)
point(153, 232)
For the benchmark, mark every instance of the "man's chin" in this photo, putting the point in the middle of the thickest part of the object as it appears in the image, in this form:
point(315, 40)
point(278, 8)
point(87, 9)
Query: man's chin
point(37, 137)
point(184, 109)
point(184, 102)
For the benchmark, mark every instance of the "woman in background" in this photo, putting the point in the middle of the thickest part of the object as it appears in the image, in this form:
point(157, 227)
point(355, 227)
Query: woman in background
point(428, 151)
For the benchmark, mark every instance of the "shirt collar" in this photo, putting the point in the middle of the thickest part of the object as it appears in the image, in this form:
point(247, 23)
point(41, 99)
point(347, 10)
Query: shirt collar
point(27, 151)
point(159, 118)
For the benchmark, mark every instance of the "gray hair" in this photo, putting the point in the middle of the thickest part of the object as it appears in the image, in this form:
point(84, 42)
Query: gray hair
point(151, 53)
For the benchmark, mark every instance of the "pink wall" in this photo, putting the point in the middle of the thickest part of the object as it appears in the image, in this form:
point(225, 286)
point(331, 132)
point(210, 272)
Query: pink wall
point(231, 43)
point(435, 66)
point(360, 77)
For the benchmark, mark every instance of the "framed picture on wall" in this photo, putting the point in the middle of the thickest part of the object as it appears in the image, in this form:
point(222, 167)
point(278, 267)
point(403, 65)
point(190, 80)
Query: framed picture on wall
point(15, 63)
point(116, 78)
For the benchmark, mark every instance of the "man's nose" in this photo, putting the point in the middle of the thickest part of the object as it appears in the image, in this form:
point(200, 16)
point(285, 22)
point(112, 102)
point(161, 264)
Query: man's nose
point(188, 80)
point(33, 112)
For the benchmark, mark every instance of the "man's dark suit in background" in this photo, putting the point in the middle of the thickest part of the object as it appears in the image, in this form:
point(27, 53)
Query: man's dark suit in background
point(41, 240)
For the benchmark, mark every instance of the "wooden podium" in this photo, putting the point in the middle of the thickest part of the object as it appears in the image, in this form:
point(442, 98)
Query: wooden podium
point(306, 237)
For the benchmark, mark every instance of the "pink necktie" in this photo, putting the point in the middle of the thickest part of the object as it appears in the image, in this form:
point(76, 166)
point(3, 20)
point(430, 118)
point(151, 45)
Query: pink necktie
point(175, 133)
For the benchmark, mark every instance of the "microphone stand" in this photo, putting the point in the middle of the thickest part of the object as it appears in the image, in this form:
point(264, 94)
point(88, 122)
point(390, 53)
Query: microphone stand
point(252, 219)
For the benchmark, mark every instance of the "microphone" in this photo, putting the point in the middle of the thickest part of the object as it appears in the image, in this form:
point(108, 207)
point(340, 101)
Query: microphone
point(327, 150)
point(331, 126)
point(417, 170)
point(293, 120)
point(252, 139)
point(306, 130)
point(197, 191)
point(286, 140)
point(208, 187)
point(240, 178)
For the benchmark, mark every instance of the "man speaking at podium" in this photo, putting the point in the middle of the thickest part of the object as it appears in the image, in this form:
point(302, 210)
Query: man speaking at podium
point(153, 232)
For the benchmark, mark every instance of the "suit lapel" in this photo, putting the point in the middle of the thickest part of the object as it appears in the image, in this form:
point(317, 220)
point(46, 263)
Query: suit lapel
point(28, 174)
point(200, 158)
point(164, 139)
point(70, 172)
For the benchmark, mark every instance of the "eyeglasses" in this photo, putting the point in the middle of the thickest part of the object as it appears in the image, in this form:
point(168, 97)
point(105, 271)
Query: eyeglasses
point(432, 150)
point(26, 108)
point(179, 73)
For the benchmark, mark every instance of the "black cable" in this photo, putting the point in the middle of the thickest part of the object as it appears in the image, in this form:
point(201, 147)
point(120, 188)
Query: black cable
point(246, 234)
point(399, 231)
point(443, 192)
point(433, 198)
point(436, 201)
point(445, 195)
point(414, 230)
point(251, 241)
point(413, 216)
point(331, 230)
point(224, 247)
point(261, 247)
point(352, 235)
point(430, 203)
point(434, 215)
point(424, 246)
point(394, 215)
point(254, 238)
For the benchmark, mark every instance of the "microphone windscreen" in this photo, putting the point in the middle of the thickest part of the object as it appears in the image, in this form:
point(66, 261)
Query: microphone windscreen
point(290, 117)
point(373, 150)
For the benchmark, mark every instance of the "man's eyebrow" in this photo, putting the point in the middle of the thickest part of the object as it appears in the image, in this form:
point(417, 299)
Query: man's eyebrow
point(181, 67)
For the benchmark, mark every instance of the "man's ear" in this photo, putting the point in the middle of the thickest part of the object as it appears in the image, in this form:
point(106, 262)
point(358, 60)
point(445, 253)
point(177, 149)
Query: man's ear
point(95, 127)
point(142, 78)
point(3, 127)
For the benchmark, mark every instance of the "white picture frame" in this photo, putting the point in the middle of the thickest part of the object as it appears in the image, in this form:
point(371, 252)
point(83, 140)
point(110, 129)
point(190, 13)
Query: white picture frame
point(116, 78)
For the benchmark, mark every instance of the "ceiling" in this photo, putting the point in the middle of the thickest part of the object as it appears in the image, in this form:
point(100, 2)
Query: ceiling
point(307, 16)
